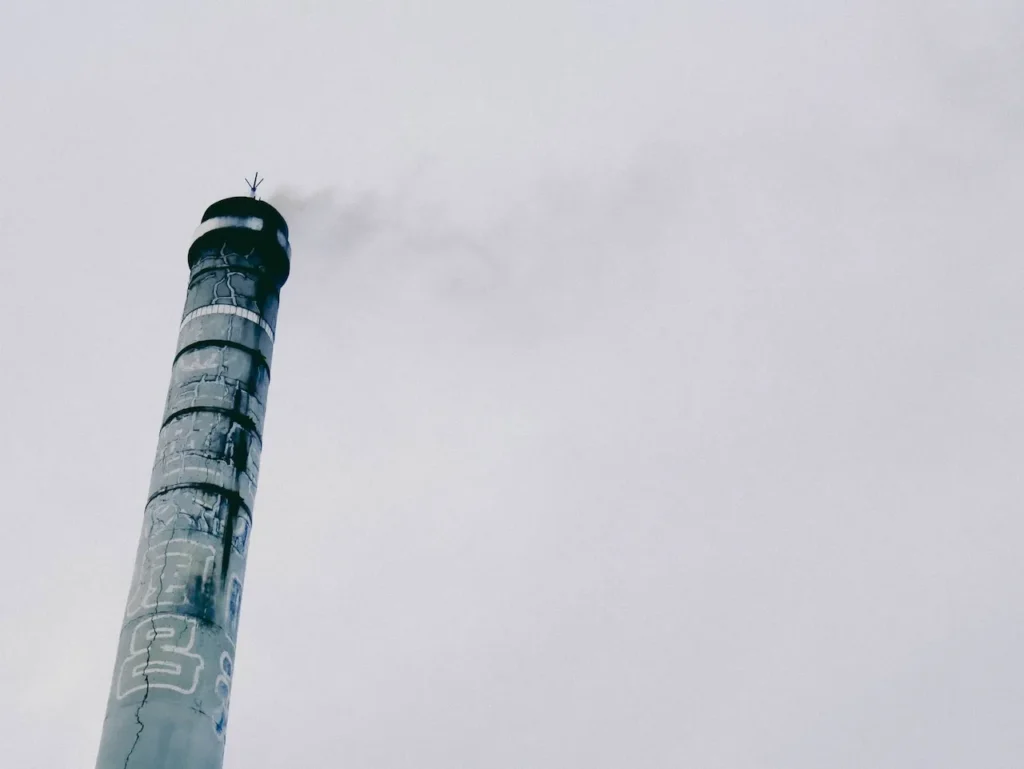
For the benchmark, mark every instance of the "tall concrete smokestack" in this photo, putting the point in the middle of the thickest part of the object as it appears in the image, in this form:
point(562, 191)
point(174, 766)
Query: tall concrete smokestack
point(168, 704)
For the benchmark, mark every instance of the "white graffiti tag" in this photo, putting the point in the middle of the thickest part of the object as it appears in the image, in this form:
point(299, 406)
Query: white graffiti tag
point(160, 656)
point(164, 575)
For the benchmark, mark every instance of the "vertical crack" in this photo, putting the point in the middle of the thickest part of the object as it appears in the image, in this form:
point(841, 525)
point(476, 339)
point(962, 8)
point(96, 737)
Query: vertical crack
point(149, 646)
point(232, 296)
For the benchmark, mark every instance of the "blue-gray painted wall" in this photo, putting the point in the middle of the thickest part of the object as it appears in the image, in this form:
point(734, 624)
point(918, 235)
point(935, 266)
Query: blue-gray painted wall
point(171, 692)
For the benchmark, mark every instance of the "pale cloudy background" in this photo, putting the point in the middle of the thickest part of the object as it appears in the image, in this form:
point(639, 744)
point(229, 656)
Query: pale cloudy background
point(647, 388)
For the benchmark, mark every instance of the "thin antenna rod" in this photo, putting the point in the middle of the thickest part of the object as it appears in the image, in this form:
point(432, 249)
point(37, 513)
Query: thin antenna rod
point(256, 182)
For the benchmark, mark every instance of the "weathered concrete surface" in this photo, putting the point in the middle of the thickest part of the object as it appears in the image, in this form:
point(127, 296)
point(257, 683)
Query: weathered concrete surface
point(171, 691)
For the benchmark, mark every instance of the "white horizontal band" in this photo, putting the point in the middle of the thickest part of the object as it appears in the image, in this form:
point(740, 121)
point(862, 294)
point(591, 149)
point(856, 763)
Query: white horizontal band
point(253, 223)
point(228, 309)
point(219, 222)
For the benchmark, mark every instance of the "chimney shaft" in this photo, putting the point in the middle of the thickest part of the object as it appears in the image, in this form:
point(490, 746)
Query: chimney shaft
point(171, 690)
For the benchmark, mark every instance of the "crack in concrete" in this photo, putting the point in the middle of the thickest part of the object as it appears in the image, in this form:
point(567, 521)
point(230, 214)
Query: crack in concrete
point(226, 256)
point(149, 648)
point(226, 281)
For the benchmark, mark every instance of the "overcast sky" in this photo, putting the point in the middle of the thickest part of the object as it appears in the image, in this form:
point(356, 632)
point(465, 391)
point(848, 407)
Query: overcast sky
point(647, 389)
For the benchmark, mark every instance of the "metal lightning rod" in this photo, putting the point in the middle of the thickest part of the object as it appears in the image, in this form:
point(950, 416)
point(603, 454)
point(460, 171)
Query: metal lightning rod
point(254, 184)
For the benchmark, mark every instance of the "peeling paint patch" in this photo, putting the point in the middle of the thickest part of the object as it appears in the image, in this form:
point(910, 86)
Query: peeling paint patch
point(166, 573)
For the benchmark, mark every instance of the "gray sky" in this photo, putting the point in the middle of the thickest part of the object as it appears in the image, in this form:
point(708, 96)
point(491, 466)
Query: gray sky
point(647, 386)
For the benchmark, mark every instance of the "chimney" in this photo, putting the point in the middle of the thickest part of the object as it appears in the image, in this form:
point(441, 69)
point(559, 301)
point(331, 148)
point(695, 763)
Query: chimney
point(171, 690)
